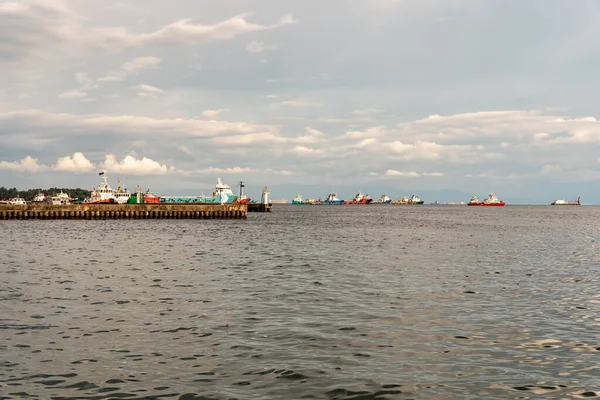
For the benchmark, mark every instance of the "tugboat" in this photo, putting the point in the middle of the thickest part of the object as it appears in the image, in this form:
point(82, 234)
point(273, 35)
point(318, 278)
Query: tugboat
point(332, 199)
point(414, 199)
point(150, 197)
point(491, 201)
point(360, 199)
point(384, 199)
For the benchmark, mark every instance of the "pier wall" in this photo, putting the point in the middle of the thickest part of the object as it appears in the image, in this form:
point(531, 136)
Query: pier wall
point(257, 207)
point(124, 211)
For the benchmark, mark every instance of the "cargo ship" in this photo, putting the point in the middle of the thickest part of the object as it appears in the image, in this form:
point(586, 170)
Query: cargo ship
point(222, 194)
point(491, 200)
point(279, 201)
point(567, 202)
point(299, 200)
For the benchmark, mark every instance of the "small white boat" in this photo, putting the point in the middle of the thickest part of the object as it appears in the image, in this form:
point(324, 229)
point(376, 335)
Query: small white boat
point(17, 201)
point(40, 198)
point(121, 195)
point(59, 199)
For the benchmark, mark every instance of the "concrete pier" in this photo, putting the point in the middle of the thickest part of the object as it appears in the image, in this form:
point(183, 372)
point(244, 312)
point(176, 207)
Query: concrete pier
point(257, 207)
point(124, 211)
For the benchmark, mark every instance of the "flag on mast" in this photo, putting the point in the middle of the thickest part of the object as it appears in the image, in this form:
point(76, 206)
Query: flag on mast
point(102, 172)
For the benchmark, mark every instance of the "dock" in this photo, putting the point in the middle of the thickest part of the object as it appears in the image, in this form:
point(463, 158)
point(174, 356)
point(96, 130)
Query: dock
point(123, 211)
point(258, 207)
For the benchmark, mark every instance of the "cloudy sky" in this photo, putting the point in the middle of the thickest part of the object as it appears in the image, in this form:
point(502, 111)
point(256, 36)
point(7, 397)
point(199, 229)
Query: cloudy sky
point(470, 95)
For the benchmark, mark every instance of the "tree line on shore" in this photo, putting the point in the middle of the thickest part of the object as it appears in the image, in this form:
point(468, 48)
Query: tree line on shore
point(29, 194)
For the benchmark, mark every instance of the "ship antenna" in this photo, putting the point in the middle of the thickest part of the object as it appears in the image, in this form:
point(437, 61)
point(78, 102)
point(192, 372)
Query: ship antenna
point(241, 185)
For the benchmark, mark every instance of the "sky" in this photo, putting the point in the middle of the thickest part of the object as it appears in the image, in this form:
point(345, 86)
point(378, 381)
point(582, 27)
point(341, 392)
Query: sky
point(451, 98)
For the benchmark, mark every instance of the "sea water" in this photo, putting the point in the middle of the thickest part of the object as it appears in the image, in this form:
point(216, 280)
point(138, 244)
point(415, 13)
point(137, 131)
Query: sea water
point(306, 302)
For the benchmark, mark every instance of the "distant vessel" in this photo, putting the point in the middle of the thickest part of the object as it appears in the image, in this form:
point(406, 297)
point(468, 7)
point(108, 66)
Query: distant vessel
point(332, 199)
point(299, 200)
point(567, 202)
point(384, 199)
point(491, 200)
point(280, 201)
point(360, 199)
point(414, 199)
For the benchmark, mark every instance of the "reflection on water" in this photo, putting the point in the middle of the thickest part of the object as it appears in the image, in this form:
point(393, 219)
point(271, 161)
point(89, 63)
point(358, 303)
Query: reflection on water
point(357, 302)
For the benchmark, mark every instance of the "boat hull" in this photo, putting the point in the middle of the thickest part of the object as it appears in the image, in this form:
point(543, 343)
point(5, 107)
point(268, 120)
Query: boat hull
point(500, 204)
point(104, 201)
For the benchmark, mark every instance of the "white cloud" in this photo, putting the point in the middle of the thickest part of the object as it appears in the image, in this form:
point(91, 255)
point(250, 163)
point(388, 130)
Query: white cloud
point(72, 94)
point(125, 125)
point(215, 171)
point(411, 174)
point(148, 91)
point(185, 149)
point(311, 135)
point(42, 29)
point(141, 63)
point(366, 143)
point(85, 82)
point(393, 172)
point(131, 165)
point(132, 67)
point(306, 151)
point(76, 163)
point(214, 113)
point(180, 32)
point(28, 164)
point(283, 172)
point(259, 47)
point(368, 133)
